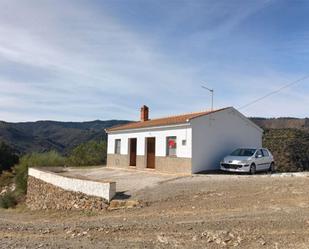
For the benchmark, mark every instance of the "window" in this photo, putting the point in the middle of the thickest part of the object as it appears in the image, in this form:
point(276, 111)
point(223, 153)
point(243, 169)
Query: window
point(171, 146)
point(243, 152)
point(117, 146)
point(184, 142)
point(259, 153)
point(265, 152)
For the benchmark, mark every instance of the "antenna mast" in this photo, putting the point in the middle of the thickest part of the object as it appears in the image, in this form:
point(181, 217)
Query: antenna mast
point(212, 96)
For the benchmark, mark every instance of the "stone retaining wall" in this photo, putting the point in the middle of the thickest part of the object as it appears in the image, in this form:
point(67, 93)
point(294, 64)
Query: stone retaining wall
point(42, 195)
point(47, 190)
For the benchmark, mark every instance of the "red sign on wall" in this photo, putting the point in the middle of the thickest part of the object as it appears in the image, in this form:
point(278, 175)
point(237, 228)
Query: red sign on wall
point(171, 144)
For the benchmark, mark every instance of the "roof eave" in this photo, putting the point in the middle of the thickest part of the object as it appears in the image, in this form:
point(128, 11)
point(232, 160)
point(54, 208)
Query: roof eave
point(149, 128)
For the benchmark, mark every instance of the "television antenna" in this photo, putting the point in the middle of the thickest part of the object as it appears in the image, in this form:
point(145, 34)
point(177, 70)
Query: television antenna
point(212, 95)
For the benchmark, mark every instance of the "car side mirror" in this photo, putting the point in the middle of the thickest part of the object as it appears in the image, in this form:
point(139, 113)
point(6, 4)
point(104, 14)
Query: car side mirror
point(258, 156)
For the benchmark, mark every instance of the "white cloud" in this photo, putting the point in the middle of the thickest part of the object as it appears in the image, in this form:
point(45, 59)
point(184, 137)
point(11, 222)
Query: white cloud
point(100, 67)
point(102, 56)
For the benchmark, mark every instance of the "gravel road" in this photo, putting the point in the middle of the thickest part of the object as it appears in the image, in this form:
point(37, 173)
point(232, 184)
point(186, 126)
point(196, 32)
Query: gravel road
point(203, 211)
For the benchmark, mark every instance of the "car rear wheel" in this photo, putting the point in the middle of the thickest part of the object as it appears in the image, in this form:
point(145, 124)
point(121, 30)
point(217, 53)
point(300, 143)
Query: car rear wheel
point(252, 169)
point(272, 168)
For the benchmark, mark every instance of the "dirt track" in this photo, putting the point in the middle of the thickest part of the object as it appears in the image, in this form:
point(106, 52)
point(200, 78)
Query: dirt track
point(189, 212)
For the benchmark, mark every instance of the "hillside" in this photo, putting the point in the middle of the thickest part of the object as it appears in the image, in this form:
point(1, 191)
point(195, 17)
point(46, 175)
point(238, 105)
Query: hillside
point(290, 148)
point(43, 136)
point(282, 123)
point(288, 140)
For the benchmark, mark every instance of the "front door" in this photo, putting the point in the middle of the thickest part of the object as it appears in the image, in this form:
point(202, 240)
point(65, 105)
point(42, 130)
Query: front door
point(132, 151)
point(151, 152)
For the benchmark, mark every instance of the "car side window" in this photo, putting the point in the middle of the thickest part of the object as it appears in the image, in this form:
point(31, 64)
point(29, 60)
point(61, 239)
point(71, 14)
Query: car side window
point(265, 152)
point(259, 153)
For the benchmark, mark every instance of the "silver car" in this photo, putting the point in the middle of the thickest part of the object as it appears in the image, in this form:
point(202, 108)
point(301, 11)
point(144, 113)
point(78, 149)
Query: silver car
point(249, 160)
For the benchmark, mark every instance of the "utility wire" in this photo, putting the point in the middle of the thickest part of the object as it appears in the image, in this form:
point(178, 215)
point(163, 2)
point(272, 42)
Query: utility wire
point(274, 92)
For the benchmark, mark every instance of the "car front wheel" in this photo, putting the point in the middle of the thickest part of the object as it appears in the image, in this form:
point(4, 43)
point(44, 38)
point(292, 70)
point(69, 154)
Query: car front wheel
point(252, 169)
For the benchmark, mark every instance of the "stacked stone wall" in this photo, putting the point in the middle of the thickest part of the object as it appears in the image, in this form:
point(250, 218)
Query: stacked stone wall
point(43, 195)
point(48, 190)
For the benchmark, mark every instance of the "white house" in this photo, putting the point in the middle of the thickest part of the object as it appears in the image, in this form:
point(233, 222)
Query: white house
point(187, 143)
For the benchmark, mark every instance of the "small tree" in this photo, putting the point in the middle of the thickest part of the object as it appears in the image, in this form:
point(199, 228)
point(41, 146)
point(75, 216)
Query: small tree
point(88, 154)
point(8, 158)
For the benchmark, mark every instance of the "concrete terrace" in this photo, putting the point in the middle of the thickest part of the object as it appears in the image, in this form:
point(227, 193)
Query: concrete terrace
point(128, 182)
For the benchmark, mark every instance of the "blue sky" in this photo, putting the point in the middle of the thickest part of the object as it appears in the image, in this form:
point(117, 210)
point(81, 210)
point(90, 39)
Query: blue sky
point(83, 60)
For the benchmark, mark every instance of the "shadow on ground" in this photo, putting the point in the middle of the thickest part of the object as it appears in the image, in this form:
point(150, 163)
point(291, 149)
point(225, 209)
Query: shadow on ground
point(121, 196)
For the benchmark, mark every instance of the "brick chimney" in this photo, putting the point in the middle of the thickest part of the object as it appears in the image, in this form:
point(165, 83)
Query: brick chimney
point(144, 113)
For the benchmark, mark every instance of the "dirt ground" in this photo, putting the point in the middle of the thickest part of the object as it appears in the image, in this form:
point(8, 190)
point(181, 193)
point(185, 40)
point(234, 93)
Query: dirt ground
point(202, 211)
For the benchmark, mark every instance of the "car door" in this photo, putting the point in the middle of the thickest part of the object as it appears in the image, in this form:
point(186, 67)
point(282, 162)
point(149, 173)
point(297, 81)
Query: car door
point(259, 160)
point(267, 159)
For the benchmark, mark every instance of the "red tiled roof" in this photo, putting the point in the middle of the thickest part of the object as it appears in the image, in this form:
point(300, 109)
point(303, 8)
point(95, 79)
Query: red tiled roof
point(172, 120)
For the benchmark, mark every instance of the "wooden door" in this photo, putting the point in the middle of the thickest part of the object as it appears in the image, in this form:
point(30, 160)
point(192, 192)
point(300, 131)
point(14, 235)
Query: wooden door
point(133, 151)
point(151, 152)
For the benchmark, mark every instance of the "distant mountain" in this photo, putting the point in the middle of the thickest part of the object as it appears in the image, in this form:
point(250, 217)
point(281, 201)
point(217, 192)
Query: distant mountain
point(282, 123)
point(43, 136)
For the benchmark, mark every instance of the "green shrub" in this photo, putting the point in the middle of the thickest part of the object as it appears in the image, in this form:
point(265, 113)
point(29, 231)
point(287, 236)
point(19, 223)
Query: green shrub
point(8, 200)
point(51, 158)
point(88, 154)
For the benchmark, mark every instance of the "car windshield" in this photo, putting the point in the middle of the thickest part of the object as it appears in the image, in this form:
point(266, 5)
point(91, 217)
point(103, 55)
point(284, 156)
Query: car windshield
point(243, 152)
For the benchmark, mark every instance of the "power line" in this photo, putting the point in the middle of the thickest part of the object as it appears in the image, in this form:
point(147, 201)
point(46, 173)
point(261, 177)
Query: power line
point(274, 92)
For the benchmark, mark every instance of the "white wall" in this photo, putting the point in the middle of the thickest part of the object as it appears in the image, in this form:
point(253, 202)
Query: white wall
point(216, 135)
point(105, 190)
point(183, 132)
